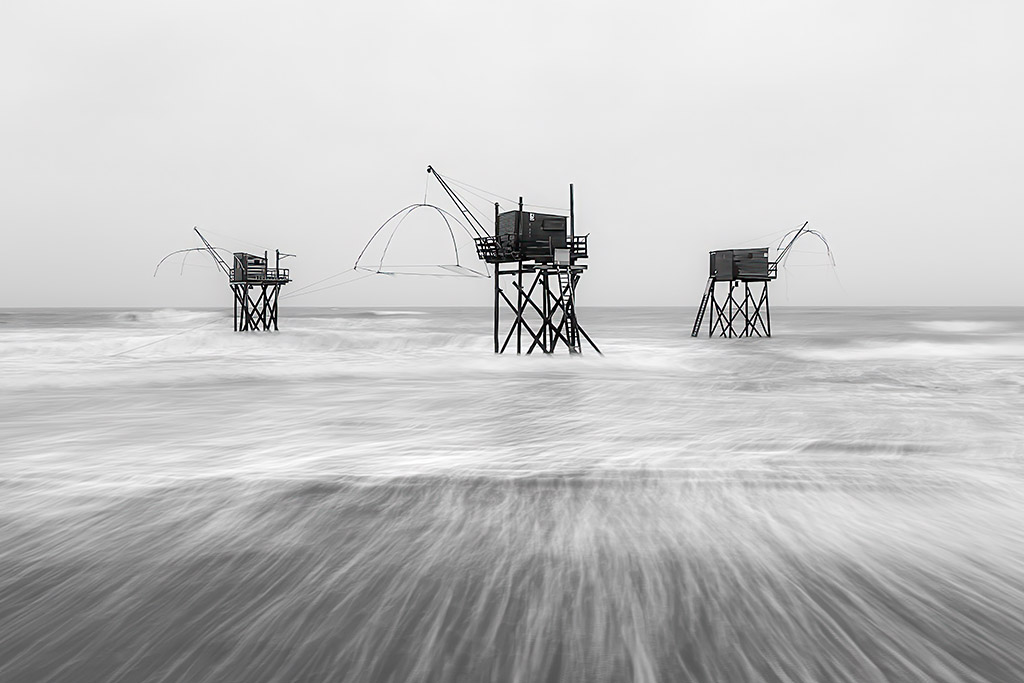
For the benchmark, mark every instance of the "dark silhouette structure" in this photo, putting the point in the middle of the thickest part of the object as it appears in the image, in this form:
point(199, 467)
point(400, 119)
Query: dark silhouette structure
point(735, 309)
point(256, 288)
point(254, 285)
point(537, 267)
point(736, 295)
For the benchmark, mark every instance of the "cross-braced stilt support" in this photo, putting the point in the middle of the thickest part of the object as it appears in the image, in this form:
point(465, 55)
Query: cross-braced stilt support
point(743, 312)
point(544, 307)
point(255, 306)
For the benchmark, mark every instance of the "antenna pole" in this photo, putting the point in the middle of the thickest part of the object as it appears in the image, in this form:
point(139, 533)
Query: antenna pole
point(497, 283)
point(572, 216)
point(519, 223)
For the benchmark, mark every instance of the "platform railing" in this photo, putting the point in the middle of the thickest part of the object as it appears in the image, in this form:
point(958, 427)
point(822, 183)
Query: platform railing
point(503, 249)
point(496, 249)
point(260, 275)
point(579, 246)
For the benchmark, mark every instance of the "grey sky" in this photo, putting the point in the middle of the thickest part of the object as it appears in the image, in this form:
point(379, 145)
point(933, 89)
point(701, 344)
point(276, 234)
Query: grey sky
point(894, 127)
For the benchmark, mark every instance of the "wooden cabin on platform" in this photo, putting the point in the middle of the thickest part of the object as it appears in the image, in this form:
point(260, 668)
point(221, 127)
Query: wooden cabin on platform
point(741, 308)
point(254, 285)
point(256, 288)
point(544, 246)
point(737, 311)
point(537, 259)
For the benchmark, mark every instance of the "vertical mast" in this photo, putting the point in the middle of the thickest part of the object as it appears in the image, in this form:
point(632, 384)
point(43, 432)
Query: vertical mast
point(572, 216)
point(497, 283)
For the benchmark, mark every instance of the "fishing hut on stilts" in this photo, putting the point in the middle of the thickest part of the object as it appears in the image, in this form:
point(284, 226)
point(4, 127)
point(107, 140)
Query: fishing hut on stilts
point(537, 267)
point(735, 298)
point(255, 286)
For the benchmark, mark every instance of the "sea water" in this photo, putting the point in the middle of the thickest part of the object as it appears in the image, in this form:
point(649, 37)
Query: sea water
point(373, 495)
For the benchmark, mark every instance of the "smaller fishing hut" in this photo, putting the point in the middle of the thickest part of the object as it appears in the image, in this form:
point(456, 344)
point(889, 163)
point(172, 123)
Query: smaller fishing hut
point(736, 294)
point(736, 310)
point(256, 288)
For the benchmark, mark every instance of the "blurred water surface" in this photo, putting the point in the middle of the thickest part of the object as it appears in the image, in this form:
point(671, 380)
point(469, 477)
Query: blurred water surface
point(374, 496)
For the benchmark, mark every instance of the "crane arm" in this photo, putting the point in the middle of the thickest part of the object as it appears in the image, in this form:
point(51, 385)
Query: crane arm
point(790, 238)
point(463, 208)
point(783, 250)
point(221, 263)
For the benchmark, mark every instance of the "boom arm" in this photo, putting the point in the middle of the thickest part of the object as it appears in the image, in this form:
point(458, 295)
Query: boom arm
point(221, 263)
point(790, 238)
point(470, 217)
point(785, 250)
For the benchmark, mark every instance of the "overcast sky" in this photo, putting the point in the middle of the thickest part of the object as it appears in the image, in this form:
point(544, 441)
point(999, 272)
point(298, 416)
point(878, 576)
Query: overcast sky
point(895, 128)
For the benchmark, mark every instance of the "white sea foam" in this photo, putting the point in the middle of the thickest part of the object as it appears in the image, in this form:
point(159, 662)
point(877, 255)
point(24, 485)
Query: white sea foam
point(919, 350)
point(364, 497)
point(959, 326)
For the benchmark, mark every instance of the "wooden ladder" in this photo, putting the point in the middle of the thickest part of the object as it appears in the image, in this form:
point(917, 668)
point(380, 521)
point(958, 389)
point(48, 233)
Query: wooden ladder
point(703, 306)
point(565, 294)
